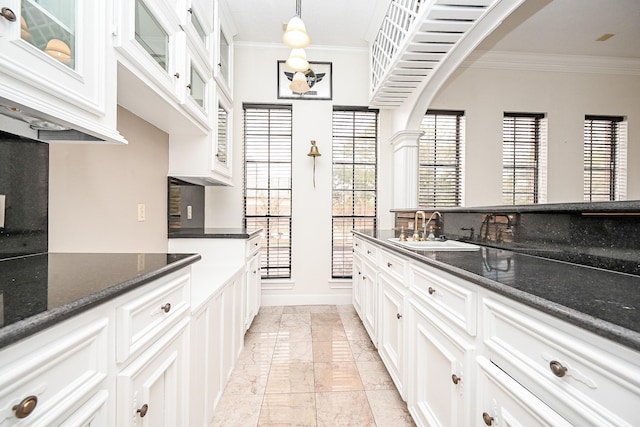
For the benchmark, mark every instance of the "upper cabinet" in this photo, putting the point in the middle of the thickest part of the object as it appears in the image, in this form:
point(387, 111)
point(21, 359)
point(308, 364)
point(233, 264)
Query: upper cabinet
point(57, 66)
point(223, 71)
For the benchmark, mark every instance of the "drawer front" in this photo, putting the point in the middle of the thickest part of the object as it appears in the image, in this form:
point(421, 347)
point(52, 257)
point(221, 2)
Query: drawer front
point(253, 245)
point(56, 376)
point(369, 251)
point(586, 384)
point(393, 265)
point(140, 321)
point(441, 291)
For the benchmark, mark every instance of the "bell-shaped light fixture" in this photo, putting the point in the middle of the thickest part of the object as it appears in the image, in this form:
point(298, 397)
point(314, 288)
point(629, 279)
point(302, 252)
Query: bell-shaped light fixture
point(296, 35)
point(299, 83)
point(297, 60)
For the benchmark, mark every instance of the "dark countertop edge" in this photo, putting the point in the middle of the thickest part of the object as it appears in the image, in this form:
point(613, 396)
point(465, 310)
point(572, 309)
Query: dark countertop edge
point(213, 233)
point(577, 207)
point(24, 328)
point(600, 327)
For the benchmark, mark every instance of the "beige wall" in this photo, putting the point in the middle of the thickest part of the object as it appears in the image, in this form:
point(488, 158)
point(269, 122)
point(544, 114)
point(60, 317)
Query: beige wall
point(485, 94)
point(94, 191)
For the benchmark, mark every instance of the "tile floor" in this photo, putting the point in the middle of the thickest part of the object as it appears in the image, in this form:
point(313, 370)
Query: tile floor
point(310, 366)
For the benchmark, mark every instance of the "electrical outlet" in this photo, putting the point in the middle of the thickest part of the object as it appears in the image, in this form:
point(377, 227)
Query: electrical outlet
point(189, 212)
point(2, 206)
point(142, 215)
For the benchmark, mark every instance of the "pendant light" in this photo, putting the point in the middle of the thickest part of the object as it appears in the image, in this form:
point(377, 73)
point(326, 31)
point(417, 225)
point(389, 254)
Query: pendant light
point(299, 83)
point(296, 36)
point(297, 60)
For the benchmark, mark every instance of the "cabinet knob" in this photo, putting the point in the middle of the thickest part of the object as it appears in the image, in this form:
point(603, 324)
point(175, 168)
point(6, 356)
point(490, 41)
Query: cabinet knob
point(176, 75)
point(431, 290)
point(364, 277)
point(26, 406)
point(557, 368)
point(488, 419)
point(399, 316)
point(357, 244)
point(166, 308)
point(456, 379)
point(8, 14)
point(368, 252)
point(389, 264)
point(190, 10)
point(143, 410)
point(189, 86)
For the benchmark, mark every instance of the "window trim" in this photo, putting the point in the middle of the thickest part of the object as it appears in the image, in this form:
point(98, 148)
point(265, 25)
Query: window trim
point(617, 156)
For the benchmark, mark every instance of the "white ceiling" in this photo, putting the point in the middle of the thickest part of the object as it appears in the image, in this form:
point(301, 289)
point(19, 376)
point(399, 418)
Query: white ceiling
point(540, 26)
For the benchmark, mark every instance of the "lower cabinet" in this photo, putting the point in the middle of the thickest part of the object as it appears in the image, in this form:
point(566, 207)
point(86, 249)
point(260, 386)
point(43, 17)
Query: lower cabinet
point(152, 390)
point(504, 402)
point(391, 329)
point(462, 355)
point(254, 289)
point(441, 380)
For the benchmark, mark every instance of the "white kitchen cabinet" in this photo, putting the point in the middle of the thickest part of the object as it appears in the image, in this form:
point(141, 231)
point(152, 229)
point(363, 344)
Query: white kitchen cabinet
point(253, 281)
point(222, 156)
point(57, 65)
point(153, 389)
point(504, 402)
point(391, 329)
point(224, 30)
point(440, 361)
point(152, 44)
point(357, 285)
point(197, 86)
point(60, 374)
point(370, 300)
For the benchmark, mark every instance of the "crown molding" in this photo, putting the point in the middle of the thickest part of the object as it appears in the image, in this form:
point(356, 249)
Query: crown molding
point(311, 48)
point(529, 61)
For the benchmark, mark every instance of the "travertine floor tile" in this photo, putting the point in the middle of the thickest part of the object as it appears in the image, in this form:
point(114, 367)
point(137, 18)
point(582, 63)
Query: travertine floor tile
point(248, 379)
point(337, 377)
point(349, 408)
point(257, 353)
point(260, 337)
point(348, 308)
point(273, 309)
point(389, 409)
point(295, 320)
point(298, 409)
point(363, 351)
point(295, 333)
point(291, 378)
point(233, 410)
point(374, 376)
point(332, 351)
point(328, 333)
point(293, 352)
point(266, 323)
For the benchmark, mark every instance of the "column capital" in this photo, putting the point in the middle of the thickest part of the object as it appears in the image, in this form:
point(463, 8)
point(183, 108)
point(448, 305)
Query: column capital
point(405, 138)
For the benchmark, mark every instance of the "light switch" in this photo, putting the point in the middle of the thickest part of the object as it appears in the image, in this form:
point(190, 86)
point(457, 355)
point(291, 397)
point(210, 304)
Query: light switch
point(189, 212)
point(142, 215)
point(2, 206)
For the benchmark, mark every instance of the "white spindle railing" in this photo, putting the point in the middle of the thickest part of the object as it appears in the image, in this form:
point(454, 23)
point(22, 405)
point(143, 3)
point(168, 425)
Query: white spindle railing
point(395, 27)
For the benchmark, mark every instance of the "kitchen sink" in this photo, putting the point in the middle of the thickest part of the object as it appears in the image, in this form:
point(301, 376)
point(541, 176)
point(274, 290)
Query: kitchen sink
point(435, 245)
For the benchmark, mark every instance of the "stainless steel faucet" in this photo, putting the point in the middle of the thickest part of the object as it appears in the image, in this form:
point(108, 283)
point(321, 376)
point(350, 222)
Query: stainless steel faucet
point(425, 225)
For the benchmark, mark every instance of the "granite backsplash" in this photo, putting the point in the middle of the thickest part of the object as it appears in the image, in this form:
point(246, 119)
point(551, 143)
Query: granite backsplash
point(604, 235)
point(24, 183)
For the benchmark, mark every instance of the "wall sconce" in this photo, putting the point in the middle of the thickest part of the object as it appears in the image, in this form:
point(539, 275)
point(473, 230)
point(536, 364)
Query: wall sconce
point(314, 153)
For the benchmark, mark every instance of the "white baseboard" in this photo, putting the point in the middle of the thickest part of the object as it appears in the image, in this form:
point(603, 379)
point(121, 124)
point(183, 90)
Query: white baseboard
point(324, 299)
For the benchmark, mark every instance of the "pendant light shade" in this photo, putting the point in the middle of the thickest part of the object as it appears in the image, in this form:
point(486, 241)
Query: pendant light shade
point(297, 60)
point(296, 34)
point(299, 83)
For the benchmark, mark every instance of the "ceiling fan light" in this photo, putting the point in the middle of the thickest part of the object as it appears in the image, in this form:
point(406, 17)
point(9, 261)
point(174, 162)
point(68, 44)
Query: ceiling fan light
point(297, 60)
point(299, 83)
point(296, 34)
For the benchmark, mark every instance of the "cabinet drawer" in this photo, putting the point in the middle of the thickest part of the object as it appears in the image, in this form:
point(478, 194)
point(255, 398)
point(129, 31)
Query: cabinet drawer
point(253, 245)
point(586, 383)
point(369, 251)
point(140, 321)
point(57, 376)
point(393, 265)
point(454, 301)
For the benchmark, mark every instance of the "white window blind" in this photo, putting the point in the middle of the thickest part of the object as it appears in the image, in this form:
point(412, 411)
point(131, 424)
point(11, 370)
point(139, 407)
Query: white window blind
point(267, 183)
point(355, 184)
point(520, 158)
point(440, 158)
point(601, 157)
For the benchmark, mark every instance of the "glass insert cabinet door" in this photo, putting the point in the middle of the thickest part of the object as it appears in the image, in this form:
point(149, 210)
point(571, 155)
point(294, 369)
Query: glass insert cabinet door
point(223, 135)
point(151, 36)
point(50, 26)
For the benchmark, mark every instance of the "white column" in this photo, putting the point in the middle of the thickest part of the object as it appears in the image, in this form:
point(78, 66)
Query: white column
point(405, 168)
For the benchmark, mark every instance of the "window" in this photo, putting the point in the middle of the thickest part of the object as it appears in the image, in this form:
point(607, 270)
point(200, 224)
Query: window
point(601, 158)
point(267, 183)
point(521, 147)
point(355, 184)
point(440, 154)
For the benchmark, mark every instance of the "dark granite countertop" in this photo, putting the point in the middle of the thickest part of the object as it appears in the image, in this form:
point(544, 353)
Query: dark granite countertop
point(41, 290)
point(601, 301)
point(579, 207)
point(213, 233)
